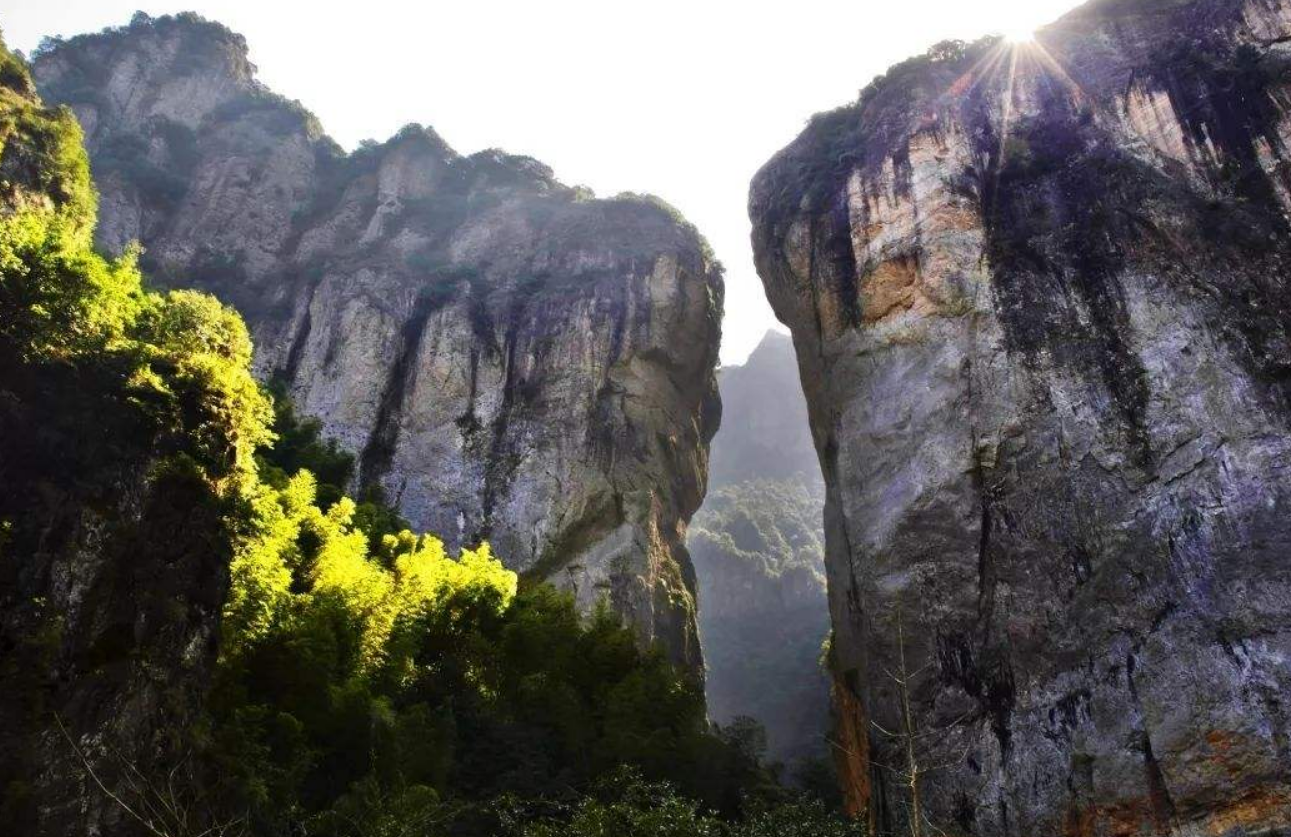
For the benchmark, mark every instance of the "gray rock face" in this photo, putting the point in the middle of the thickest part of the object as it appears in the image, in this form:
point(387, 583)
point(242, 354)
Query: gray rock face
point(510, 359)
point(758, 548)
point(1040, 302)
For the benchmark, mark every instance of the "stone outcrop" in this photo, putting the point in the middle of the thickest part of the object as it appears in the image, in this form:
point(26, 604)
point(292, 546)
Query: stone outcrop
point(758, 548)
point(509, 358)
point(1039, 295)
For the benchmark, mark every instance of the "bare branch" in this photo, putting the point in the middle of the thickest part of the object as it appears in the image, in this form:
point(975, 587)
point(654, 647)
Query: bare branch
point(89, 769)
point(172, 804)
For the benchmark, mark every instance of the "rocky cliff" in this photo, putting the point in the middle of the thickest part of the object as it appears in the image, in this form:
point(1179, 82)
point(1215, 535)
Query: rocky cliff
point(1039, 294)
point(758, 549)
point(509, 358)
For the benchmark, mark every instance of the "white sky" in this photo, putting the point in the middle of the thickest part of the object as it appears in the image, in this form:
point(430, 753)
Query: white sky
point(682, 98)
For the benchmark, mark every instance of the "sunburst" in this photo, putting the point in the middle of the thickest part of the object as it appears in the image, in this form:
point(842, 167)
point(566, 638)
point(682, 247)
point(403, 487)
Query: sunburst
point(1017, 56)
point(1019, 59)
point(1019, 33)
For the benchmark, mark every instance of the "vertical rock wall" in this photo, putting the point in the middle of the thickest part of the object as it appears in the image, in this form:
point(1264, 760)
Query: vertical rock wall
point(1039, 295)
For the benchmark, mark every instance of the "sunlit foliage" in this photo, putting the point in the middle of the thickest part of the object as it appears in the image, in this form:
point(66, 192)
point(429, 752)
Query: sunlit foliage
point(301, 557)
point(363, 675)
point(180, 359)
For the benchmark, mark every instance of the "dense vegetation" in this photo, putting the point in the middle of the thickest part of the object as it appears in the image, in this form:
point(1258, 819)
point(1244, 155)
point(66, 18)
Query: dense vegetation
point(368, 682)
point(128, 426)
point(360, 683)
point(772, 525)
point(623, 804)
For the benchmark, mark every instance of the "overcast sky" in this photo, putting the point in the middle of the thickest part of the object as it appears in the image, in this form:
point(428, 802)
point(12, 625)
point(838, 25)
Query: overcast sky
point(682, 98)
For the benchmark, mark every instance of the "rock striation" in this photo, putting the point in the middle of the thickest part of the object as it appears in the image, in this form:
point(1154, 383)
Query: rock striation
point(509, 358)
point(758, 548)
point(1039, 295)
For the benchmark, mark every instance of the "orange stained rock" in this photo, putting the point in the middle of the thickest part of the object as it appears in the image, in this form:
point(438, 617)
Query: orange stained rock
point(1127, 818)
point(852, 752)
point(1261, 807)
point(889, 288)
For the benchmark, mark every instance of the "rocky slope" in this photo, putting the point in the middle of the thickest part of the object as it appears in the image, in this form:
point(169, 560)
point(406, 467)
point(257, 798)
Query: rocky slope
point(1040, 300)
point(510, 359)
point(758, 550)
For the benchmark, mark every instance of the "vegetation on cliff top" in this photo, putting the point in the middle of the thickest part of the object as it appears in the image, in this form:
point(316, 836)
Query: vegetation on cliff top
point(810, 172)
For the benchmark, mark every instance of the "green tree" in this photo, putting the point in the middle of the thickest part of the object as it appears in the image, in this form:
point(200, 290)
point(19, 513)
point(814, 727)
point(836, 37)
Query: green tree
point(127, 437)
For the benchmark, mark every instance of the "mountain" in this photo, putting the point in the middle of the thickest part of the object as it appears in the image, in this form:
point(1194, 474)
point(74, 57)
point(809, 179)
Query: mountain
point(1039, 294)
point(758, 550)
point(509, 358)
point(764, 433)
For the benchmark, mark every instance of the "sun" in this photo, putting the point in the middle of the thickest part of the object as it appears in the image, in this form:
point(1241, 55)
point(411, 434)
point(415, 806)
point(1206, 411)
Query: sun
point(1019, 33)
point(1019, 22)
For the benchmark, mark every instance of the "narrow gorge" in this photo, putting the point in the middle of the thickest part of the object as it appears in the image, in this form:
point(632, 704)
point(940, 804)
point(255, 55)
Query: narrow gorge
point(1039, 297)
point(200, 632)
point(511, 359)
point(758, 549)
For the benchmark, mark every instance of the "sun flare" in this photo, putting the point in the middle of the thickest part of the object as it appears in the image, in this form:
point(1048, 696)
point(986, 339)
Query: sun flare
point(1019, 33)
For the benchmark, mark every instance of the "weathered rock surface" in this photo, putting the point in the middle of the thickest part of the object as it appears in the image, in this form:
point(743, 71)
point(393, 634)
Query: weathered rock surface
point(510, 359)
point(1040, 302)
point(758, 547)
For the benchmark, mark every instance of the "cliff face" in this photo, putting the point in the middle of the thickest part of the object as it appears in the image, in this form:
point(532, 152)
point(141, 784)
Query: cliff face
point(758, 549)
point(1040, 301)
point(510, 359)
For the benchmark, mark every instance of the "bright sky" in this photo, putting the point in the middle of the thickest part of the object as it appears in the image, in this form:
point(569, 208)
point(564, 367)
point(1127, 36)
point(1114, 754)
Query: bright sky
point(682, 98)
